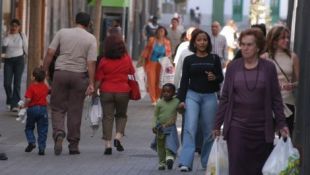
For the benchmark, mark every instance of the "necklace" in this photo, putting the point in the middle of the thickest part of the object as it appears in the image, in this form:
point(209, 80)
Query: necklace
point(256, 79)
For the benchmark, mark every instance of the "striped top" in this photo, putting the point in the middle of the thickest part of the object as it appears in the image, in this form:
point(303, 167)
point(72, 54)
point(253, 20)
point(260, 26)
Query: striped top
point(219, 46)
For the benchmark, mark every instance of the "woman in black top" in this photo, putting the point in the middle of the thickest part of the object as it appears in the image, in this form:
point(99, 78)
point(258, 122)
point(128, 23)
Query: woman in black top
point(201, 78)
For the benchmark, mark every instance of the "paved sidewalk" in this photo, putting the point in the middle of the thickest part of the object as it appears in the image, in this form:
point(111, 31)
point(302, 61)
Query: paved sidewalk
point(137, 159)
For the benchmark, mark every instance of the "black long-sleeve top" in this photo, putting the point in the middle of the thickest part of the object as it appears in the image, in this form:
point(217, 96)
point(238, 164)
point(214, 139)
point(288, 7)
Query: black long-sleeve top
point(194, 76)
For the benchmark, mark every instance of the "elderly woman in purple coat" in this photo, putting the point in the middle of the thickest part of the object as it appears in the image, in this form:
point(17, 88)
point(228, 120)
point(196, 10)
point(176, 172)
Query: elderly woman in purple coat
point(250, 98)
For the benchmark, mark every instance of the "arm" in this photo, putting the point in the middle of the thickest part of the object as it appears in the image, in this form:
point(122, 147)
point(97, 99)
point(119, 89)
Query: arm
point(184, 81)
point(155, 117)
point(296, 69)
point(91, 66)
point(224, 99)
point(48, 59)
point(277, 103)
point(25, 43)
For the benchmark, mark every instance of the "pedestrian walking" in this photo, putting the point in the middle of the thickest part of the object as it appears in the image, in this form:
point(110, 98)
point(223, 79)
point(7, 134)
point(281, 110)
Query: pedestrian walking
point(15, 46)
point(156, 48)
point(164, 126)
point(112, 81)
point(36, 104)
point(73, 80)
point(287, 65)
point(201, 78)
point(250, 100)
point(174, 34)
point(219, 44)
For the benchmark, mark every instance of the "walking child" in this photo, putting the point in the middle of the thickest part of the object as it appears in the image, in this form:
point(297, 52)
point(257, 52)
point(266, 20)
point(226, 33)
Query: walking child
point(35, 101)
point(164, 127)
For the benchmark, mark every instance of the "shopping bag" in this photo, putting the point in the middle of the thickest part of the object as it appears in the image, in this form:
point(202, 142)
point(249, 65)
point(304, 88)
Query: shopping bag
point(134, 93)
point(141, 79)
point(218, 158)
point(283, 160)
point(167, 71)
point(95, 112)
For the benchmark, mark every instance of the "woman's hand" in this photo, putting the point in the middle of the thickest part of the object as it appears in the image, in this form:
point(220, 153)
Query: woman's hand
point(211, 76)
point(216, 133)
point(285, 132)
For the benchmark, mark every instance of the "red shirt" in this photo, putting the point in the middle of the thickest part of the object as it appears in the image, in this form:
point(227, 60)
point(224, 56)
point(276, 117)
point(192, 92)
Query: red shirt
point(113, 74)
point(37, 93)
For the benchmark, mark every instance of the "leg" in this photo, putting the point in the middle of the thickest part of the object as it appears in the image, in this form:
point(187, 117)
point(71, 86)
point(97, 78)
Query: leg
point(152, 80)
point(108, 107)
point(161, 151)
point(18, 70)
point(59, 101)
point(78, 85)
point(42, 127)
point(190, 128)
point(208, 110)
point(30, 125)
point(7, 79)
point(121, 105)
point(170, 157)
point(291, 119)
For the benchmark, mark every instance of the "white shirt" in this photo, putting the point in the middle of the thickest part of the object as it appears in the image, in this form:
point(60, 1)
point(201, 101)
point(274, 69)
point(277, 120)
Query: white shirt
point(16, 45)
point(182, 53)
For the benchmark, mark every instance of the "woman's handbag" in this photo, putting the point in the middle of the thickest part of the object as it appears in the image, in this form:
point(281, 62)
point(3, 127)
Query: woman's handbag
point(134, 93)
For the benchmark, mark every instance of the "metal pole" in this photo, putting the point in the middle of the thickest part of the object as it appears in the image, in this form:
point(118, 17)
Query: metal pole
point(302, 42)
point(1, 28)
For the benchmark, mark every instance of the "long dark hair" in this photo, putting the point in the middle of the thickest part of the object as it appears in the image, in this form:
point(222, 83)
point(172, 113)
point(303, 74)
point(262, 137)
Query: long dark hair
point(114, 47)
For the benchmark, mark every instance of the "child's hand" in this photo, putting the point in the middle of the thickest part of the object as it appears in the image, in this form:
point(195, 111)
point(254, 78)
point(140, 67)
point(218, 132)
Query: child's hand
point(154, 130)
point(182, 105)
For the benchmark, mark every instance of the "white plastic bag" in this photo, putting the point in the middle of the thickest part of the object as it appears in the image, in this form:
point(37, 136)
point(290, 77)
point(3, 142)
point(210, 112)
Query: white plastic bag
point(167, 71)
point(141, 79)
point(95, 113)
point(283, 160)
point(218, 158)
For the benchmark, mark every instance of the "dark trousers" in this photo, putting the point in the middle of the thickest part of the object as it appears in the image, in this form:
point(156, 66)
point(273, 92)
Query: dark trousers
point(13, 71)
point(291, 119)
point(67, 99)
point(37, 115)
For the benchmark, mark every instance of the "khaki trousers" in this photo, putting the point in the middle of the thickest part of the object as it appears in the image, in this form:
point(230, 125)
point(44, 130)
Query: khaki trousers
point(114, 105)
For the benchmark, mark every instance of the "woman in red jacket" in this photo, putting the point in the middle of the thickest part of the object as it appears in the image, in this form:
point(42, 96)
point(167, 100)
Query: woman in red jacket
point(112, 80)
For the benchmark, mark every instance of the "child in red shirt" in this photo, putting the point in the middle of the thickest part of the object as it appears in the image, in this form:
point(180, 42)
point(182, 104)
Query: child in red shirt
point(37, 111)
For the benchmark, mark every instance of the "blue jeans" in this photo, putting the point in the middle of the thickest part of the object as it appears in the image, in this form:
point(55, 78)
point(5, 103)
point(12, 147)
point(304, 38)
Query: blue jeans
point(199, 109)
point(37, 115)
point(13, 71)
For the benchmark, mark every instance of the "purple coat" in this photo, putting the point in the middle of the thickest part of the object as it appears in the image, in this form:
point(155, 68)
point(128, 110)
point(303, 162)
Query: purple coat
point(273, 100)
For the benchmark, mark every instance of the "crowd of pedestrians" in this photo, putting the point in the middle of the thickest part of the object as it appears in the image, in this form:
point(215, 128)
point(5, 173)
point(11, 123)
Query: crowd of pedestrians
point(254, 101)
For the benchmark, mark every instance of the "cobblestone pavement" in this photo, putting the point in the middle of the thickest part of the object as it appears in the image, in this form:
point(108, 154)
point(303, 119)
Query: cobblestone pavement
point(137, 159)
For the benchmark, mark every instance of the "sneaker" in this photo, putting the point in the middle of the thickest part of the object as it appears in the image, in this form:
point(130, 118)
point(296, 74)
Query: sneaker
point(184, 169)
point(74, 152)
point(169, 163)
point(41, 152)
point(30, 147)
point(161, 167)
point(3, 156)
point(58, 145)
point(15, 109)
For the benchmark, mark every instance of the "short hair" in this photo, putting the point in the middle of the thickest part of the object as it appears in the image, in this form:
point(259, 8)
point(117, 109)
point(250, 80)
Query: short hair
point(170, 85)
point(195, 33)
point(15, 21)
point(259, 38)
point(175, 19)
point(261, 26)
point(161, 27)
point(114, 47)
point(38, 74)
point(82, 18)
